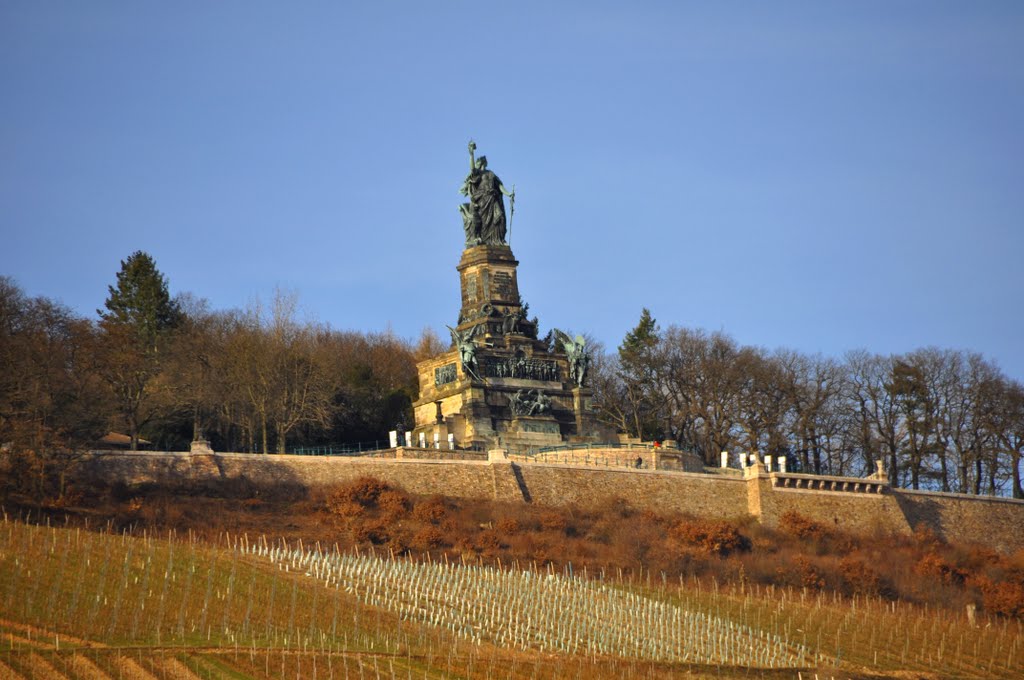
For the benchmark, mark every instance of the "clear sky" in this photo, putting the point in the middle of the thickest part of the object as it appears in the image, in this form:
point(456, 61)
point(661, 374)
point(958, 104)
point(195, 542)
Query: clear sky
point(822, 176)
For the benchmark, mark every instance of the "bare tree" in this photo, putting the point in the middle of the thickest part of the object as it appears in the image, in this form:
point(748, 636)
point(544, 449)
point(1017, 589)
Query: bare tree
point(879, 421)
point(53, 404)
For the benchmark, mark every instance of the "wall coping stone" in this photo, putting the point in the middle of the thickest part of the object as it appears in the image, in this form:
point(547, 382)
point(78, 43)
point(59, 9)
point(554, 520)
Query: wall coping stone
point(830, 478)
point(626, 470)
point(958, 496)
point(830, 492)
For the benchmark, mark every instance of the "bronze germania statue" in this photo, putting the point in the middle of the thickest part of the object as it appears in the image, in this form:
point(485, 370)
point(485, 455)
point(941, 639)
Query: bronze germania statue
point(483, 217)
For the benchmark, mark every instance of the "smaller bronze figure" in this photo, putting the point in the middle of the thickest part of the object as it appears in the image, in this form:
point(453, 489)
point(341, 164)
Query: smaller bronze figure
point(467, 349)
point(576, 353)
point(510, 322)
point(529, 403)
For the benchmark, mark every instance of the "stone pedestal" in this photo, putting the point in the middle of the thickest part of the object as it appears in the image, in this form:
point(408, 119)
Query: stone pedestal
point(490, 292)
point(510, 365)
point(201, 447)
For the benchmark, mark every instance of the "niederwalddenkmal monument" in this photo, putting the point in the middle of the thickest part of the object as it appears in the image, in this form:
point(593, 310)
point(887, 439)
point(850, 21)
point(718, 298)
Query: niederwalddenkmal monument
point(500, 387)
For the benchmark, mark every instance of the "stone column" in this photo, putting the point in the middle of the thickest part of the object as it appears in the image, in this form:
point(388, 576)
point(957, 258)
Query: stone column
point(581, 397)
point(393, 438)
point(725, 459)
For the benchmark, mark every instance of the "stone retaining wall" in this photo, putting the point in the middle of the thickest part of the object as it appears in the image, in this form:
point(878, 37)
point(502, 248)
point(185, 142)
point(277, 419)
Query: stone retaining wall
point(996, 522)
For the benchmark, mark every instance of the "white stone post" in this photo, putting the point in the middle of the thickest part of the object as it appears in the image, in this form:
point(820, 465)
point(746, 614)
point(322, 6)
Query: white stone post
point(768, 463)
point(393, 438)
point(437, 440)
point(753, 460)
point(782, 464)
point(408, 438)
point(423, 440)
point(451, 441)
point(725, 459)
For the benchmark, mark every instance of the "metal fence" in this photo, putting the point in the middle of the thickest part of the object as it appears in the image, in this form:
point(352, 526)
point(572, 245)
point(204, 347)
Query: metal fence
point(602, 445)
point(357, 449)
point(568, 458)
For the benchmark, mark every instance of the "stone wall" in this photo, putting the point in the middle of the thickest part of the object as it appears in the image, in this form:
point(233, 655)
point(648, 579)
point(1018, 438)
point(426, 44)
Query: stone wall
point(461, 479)
point(696, 494)
point(995, 522)
point(620, 457)
point(860, 512)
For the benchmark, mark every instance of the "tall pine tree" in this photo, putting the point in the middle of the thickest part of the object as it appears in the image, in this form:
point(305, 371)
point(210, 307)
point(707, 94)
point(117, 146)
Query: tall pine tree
point(637, 369)
point(140, 301)
point(137, 325)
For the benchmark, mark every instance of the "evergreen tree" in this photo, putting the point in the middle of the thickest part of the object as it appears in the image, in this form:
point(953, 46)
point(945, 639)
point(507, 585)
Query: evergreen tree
point(637, 372)
point(137, 326)
point(141, 301)
point(639, 342)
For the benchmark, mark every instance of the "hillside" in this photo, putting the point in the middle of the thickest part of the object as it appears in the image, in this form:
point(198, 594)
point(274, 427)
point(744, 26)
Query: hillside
point(93, 605)
point(225, 603)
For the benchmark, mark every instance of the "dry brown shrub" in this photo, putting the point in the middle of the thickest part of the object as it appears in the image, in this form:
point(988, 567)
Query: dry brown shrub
point(936, 567)
point(397, 545)
point(859, 577)
point(803, 527)
point(713, 538)
point(926, 538)
point(488, 542)
point(809, 575)
point(618, 508)
point(375, 532)
point(601, 532)
point(1014, 567)
point(1002, 598)
point(651, 517)
point(429, 538)
point(394, 503)
point(349, 500)
point(509, 526)
point(346, 509)
point(551, 520)
point(431, 510)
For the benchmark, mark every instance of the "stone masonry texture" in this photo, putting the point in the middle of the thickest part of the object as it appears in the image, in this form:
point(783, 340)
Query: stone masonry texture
point(995, 522)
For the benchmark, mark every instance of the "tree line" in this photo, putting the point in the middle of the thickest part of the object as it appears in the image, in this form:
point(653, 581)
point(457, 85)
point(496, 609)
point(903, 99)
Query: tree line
point(171, 370)
point(939, 419)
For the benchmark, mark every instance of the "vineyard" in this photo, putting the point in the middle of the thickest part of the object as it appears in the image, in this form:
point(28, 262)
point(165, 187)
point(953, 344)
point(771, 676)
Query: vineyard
point(85, 604)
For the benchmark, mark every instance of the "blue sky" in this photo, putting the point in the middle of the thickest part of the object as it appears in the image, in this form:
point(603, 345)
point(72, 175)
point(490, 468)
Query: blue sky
point(822, 176)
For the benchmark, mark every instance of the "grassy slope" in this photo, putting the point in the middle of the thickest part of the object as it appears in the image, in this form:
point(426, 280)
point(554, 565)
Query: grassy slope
point(86, 604)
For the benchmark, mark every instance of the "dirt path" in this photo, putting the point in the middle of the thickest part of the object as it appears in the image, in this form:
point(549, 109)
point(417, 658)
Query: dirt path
point(42, 637)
